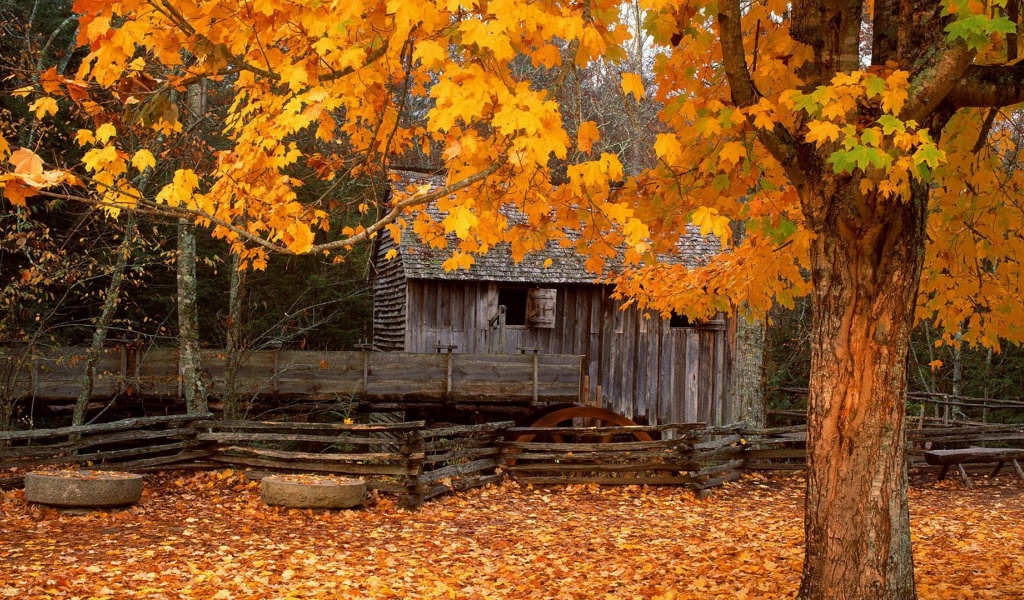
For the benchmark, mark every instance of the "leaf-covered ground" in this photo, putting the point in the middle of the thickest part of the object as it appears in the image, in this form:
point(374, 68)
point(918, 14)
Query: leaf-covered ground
point(208, 535)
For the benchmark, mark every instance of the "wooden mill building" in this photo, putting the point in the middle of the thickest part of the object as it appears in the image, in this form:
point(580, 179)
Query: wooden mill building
point(650, 369)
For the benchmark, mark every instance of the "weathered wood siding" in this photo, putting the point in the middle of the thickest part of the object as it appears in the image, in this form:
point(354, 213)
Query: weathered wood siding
point(388, 298)
point(367, 376)
point(647, 370)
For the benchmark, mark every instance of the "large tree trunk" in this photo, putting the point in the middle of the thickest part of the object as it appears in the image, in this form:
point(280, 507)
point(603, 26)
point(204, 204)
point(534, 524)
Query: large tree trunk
point(866, 265)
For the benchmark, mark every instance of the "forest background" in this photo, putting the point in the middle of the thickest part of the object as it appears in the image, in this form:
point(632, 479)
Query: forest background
point(66, 268)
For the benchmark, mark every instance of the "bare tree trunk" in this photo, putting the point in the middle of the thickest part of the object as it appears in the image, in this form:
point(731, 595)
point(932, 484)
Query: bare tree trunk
point(865, 270)
point(235, 344)
point(106, 317)
point(746, 382)
point(190, 366)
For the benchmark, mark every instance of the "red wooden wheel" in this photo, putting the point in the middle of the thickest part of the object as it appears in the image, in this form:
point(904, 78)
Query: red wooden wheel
point(602, 416)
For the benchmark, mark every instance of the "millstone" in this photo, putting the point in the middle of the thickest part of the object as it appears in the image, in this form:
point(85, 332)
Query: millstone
point(303, 491)
point(86, 489)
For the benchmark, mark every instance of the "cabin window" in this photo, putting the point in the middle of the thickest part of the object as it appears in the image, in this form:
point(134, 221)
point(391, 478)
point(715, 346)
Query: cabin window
point(514, 301)
point(680, 321)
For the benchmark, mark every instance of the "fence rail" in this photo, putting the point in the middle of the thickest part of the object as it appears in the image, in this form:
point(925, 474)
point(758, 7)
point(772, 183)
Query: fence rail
point(418, 462)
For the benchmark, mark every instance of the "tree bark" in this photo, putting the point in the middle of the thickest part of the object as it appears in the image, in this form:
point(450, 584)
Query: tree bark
point(746, 382)
point(106, 317)
point(235, 345)
point(189, 365)
point(866, 267)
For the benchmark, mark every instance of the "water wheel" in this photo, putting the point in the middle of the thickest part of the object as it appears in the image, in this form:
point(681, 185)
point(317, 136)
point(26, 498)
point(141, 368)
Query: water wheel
point(600, 416)
point(564, 417)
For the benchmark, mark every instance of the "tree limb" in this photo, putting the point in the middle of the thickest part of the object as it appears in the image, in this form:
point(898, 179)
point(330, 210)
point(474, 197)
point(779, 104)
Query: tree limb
point(779, 141)
point(935, 81)
point(146, 206)
point(992, 86)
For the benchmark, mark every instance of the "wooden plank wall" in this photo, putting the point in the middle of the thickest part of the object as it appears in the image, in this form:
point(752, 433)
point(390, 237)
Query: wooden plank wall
point(647, 370)
point(369, 376)
point(388, 298)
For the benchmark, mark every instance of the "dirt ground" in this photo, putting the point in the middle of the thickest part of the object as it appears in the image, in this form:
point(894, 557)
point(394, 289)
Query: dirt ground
point(208, 535)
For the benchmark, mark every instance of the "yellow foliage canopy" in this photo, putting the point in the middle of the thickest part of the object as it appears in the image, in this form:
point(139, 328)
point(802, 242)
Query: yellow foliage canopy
point(342, 73)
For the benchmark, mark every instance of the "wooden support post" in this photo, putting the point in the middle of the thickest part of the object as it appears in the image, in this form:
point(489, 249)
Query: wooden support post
point(413, 449)
point(275, 383)
point(1020, 471)
point(995, 471)
point(366, 374)
point(963, 475)
point(448, 397)
point(943, 471)
point(536, 379)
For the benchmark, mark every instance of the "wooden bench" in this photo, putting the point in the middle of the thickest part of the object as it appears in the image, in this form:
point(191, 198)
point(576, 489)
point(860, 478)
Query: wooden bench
point(975, 455)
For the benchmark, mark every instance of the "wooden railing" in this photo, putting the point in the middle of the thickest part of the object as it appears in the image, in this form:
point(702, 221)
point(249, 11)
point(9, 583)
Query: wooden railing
point(374, 378)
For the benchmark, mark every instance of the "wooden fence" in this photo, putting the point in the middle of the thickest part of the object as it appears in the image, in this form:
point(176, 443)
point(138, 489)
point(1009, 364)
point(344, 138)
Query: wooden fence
point(411, 460)
point(418, 463)
point(783, 448)
point(378, 379)
point(693, 455)
point(131, 445)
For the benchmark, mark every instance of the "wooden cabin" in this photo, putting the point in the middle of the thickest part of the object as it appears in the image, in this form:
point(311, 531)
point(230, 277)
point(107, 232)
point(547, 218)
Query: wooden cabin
point(647, 368)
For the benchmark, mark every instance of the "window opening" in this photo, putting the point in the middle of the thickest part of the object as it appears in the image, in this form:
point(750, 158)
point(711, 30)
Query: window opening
point(514, 301)
point(680, 321)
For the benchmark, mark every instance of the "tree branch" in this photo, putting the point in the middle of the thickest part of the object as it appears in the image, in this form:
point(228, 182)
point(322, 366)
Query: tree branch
point(779, 141)
point(933, 83)
point(993, 86)
point(146, 206)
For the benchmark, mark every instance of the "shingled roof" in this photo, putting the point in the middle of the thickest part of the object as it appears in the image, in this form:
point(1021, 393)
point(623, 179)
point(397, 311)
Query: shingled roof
point(567, 266)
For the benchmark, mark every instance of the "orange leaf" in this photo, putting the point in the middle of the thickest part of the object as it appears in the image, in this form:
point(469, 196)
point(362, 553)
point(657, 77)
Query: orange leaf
point(26, 162)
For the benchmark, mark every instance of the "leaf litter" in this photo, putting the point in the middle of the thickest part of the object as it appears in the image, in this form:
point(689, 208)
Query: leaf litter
point(208, 535)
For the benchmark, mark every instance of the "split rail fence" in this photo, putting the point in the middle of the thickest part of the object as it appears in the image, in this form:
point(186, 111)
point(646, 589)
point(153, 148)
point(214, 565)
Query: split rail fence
point(412, 460)
point(419, 462)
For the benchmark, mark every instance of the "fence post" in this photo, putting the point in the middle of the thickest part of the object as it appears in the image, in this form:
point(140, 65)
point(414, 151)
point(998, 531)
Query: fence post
point(413, 449)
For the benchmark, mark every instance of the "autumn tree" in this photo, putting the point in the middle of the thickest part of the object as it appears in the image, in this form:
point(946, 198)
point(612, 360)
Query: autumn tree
point(858, 144)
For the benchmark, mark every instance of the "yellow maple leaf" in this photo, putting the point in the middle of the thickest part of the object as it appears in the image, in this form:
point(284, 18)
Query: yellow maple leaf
point(104, 132)
point(459, 221)
point(895, 95)
point(44, 106)
point(711, 222)
point(667, 147)
point(5, 148)
point(633, 84)
point(97, 158)
point(301, 238)
point(84, 136)
point(821, 132)
point(143, 159)
point(587, 135)
point(731, 155)
point(430, 53)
